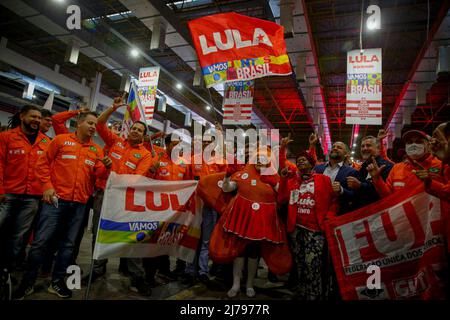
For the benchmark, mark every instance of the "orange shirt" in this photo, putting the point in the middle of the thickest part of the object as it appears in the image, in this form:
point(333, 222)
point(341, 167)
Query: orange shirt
point(170, 171)
point(355, 165)
point(204, 169)
point(18, 160)
point(439, 189)
point(59, 121)
point(126, 159)
point(71, 167)
point(401, 176)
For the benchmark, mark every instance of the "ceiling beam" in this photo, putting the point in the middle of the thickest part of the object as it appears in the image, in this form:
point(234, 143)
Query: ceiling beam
point(440, 17)
point(58, 16)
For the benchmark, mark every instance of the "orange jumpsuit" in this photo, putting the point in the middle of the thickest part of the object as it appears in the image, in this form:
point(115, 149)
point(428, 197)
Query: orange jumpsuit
point(18, 161)
point(126, 159)
point(71, 167)
point(402, 175)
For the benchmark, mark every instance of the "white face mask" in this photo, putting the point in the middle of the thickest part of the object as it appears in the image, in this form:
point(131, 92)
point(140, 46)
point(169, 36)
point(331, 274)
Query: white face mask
point(415, 150)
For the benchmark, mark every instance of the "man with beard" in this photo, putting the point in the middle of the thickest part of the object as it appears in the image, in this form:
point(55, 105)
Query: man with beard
point(128, 156)
point(338, 172)
point(370, 151)
point(402, 175)
point(20, 189)
point(67, 170)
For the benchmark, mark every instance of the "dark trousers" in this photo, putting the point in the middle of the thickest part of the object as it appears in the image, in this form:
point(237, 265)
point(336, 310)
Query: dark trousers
point(16, 218)
point(65, 220)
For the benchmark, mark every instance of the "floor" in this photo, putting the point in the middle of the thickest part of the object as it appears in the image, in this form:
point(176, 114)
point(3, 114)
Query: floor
point(114, 286)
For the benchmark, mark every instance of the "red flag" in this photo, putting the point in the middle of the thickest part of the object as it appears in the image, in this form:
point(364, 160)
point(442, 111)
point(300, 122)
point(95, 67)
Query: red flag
point(403, 235)
point(232, 46)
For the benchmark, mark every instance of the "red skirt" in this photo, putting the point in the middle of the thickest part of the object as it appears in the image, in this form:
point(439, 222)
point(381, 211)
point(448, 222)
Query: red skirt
point(254, 220)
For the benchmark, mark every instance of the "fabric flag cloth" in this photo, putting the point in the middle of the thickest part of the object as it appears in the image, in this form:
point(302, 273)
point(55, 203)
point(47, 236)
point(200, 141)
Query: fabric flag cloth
point(232, 47)
point(48, 105)
point(237, 102)
point(147, 85)
point(133, 112)
point(142, 217)
point(364, 87)
point(404, 236)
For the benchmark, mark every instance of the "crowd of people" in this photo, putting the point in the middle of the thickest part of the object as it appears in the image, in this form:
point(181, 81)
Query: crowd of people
point(48, 185)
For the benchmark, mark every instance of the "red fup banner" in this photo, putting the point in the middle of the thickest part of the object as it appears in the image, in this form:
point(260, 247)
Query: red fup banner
point(404, 236)
point(234, 47)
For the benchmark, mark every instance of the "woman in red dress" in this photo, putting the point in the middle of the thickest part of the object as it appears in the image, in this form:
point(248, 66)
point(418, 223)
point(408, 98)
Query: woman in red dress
point(252, 215)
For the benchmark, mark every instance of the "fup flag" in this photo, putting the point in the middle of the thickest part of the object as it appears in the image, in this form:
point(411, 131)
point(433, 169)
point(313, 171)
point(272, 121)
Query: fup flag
point(404, 236)
point(133, 112)
point(237, 102)
point(142, 217)
point(232, 47)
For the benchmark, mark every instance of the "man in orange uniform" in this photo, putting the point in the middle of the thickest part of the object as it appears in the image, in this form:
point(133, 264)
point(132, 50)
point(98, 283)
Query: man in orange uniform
point(59, 119)
point(67, 171)
point(58, 122)
point(166, 169)
point(20, 189)
point(440, 147)
point(402, 174)
point(46, 121)
point(128, 156)
point(209, 164)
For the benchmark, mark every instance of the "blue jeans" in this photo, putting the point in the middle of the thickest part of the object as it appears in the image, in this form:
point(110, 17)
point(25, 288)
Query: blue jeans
point(16, 217)
point(200, 264)
point(65, 221)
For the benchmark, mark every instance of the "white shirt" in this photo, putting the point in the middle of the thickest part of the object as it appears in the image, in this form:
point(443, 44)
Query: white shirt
point(332, 172)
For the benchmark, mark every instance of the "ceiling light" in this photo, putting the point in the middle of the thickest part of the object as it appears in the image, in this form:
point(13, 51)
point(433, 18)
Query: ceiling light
point(353, 152)
point(354, 144)
point(134, 53)
point(208, 108)
point(356, 135)
point(179, 86)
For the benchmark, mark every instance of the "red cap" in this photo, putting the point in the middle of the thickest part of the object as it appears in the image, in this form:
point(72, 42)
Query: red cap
point(419, 133)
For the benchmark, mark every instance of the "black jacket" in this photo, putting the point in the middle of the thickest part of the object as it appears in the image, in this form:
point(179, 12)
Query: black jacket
point(367, 194)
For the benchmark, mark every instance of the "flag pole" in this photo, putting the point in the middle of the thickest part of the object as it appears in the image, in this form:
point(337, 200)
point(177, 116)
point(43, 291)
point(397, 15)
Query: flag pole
point(88, 289)
point(212, 104)
point(91, 269)
point(141, 111)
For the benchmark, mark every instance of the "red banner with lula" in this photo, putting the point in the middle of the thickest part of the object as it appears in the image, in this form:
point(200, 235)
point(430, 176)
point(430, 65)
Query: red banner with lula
point(233, 47)
point(404, 236)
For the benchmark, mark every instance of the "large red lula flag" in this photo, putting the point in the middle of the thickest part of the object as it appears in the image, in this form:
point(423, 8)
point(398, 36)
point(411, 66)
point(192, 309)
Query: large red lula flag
point(232, 47)
point(404, 236)
point(142, 217)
